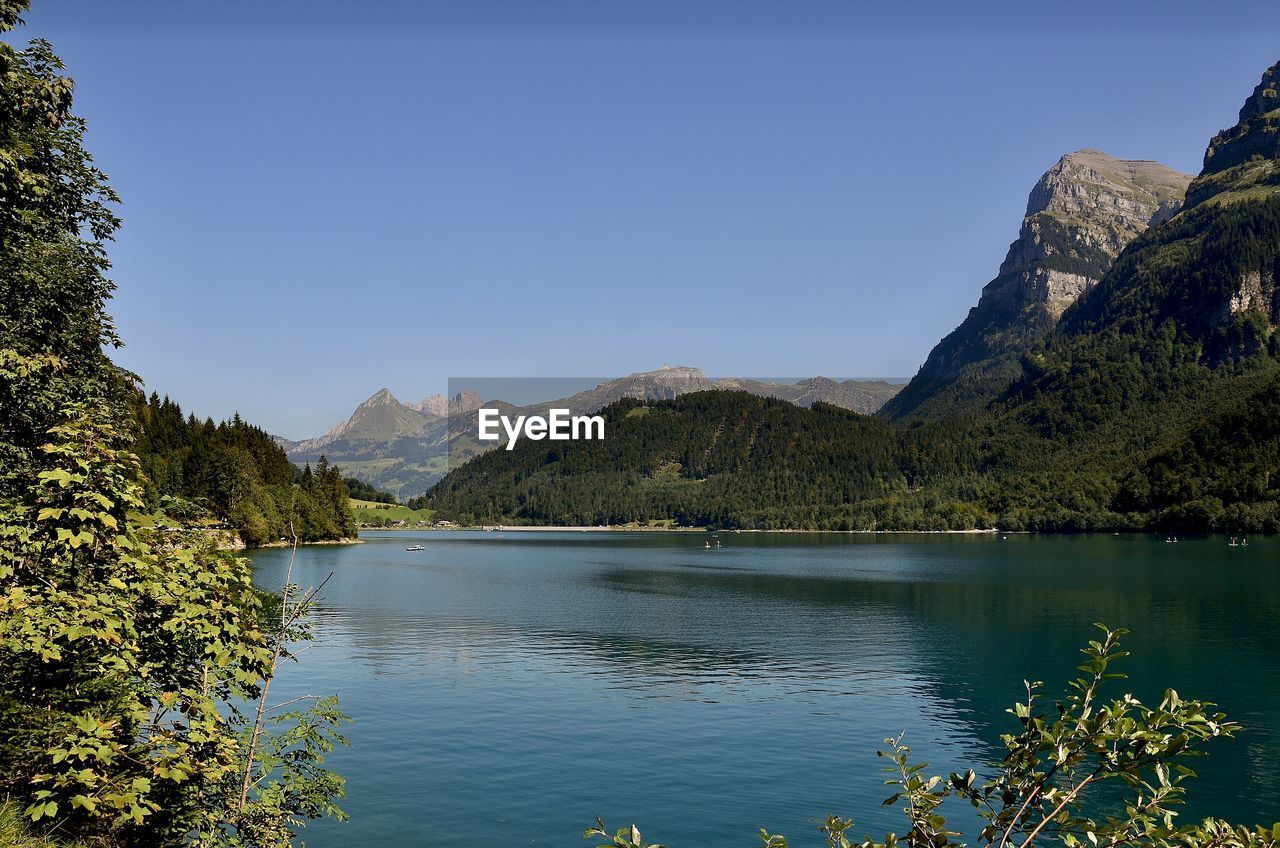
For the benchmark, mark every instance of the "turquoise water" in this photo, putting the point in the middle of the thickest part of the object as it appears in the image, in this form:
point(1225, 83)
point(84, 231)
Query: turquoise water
point(508, 687)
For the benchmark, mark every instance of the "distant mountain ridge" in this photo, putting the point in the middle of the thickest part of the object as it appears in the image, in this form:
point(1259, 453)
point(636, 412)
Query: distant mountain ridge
point(403, 448)
point(671, 381)
point(1080, 215)
point(385, 418)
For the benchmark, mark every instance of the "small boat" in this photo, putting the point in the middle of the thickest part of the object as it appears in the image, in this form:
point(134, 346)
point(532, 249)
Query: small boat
point(415, 548)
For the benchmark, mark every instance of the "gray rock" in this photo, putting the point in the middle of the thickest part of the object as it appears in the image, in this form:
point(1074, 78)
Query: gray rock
point(1081, 213)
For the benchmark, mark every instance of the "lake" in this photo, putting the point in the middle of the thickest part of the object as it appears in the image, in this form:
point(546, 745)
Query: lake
point(507, 687)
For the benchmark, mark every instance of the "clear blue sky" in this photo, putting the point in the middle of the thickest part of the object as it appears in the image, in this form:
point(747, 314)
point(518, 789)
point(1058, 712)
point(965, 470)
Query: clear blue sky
point(323, 198)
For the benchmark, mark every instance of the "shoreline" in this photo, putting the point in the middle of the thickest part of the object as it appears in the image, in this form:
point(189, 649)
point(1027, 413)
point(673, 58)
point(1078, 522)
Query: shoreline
point(620, 528)
point(236, 544)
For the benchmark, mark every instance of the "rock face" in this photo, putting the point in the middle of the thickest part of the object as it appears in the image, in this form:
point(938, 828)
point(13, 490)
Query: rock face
point(1247, 156)
point(1256, 135)
point(436, 404)
point(1080, 215)
point(1099, 204)
point(440, 406)
point(465, 401)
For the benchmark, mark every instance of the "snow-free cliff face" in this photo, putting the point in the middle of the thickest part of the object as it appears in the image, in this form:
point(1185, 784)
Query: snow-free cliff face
point(1081, 213)
point(1242, 165)
point(1255, 137)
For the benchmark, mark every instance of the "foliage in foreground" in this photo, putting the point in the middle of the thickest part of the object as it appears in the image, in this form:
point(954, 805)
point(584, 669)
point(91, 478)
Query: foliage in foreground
point(127, 659)
point(124, 653)
point(14, 831)
point(1084, 773)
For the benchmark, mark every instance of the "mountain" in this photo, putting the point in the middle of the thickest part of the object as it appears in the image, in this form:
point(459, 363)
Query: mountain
point(713, 458)
point(404, 448)
point(1207, 278)
point(284, 444)
point(437, 405)
point(1080, 215)
point(1151, 401)
point(863, 396)
point(1244, 156)
point(397, 447)
point(671, 381)
point(380, 418)
point(1156, 390)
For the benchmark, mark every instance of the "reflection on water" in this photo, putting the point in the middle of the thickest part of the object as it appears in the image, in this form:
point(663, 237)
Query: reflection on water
point(510, 686)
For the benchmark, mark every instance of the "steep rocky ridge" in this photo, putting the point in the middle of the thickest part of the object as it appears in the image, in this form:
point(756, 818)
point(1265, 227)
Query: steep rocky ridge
point(1162, 381)
point(1213, 269)
point(1245, 155)
point(1080, 215)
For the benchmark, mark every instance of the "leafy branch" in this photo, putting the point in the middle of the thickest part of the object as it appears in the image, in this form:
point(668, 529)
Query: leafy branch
point(1053, 773)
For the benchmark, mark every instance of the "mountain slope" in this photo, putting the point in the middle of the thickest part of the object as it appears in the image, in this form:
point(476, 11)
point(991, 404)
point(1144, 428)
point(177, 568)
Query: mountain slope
point(1174, 352)
point(1081, 213)
point(380, 418)
point(716, 458)
point(404, 448)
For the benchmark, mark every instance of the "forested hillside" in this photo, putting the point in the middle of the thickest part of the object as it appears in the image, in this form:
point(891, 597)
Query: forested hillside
point(722, 459)
point(239, 474)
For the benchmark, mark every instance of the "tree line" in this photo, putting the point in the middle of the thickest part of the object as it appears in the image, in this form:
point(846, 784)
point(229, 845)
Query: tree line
point(238, 473)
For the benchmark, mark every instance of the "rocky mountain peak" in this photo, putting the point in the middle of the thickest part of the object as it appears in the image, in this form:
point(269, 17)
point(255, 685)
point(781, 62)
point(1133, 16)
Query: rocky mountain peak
point(1123, 194)
point(1080, 214)
point(1265, 97)
point(1245, 155)
point(465, 401)
point(436, 404)
point(382, 397)
point(381, 414)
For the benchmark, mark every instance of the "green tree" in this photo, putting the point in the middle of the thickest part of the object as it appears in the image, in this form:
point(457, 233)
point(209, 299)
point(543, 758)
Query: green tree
point(55, 219)
point(125, 650)
point(126, 657)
